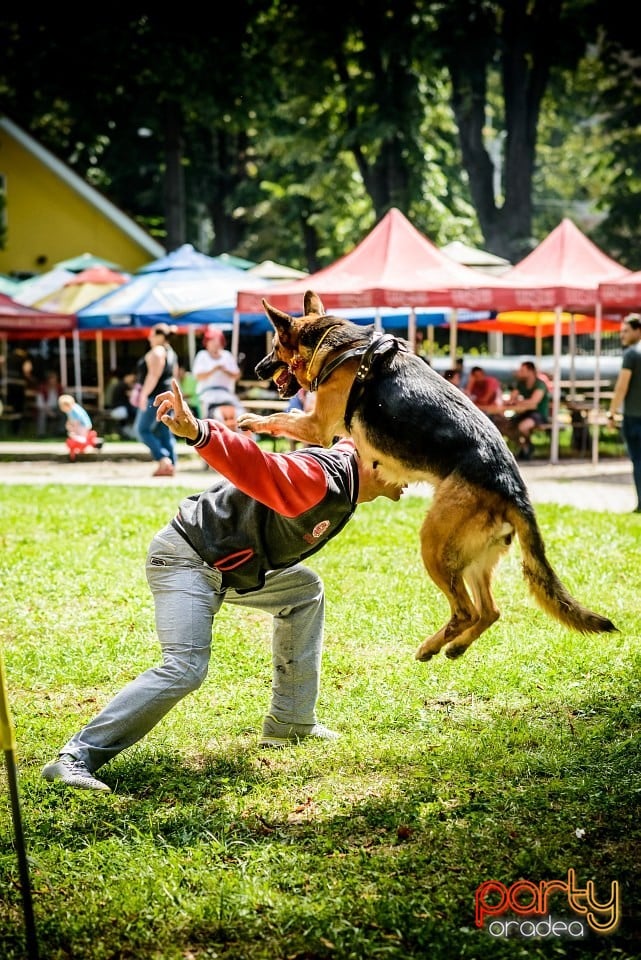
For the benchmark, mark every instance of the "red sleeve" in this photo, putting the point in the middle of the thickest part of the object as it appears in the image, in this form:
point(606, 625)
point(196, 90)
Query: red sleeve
point(289, 483)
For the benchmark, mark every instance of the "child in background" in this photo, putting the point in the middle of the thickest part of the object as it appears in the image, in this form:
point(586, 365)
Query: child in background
point(226, 413)
point(81, 435)
point(78, 422)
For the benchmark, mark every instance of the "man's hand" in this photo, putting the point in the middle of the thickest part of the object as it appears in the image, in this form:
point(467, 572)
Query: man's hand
point(175, 413)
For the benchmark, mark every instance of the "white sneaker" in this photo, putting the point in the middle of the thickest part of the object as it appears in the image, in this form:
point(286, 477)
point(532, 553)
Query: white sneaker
point(74, 773)
point(277, 734)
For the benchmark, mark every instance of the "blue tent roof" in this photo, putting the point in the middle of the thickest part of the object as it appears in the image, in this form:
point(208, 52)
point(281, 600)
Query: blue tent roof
point(183, 287)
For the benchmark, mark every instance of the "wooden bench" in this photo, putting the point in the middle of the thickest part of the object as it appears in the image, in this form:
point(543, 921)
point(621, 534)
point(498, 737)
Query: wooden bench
point(579, 417)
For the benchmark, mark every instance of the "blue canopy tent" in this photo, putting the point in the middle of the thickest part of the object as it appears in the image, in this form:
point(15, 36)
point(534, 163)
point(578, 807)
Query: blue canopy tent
point(185, 288)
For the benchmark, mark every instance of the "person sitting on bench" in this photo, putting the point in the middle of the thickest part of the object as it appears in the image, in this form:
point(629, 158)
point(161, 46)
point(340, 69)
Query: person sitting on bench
point(530, 401)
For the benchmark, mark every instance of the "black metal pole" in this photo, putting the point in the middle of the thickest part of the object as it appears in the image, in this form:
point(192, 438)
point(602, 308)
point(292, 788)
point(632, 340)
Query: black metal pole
point(23, 864)
point(8, 744)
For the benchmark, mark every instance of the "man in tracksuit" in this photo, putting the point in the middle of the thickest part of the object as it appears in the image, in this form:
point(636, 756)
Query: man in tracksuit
point(240, 541)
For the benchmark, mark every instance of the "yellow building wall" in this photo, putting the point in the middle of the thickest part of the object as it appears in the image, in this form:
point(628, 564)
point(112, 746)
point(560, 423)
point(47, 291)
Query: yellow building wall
point(47, 221)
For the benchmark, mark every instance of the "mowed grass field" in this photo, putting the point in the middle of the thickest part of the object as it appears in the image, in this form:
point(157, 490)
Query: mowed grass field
point(518, 763)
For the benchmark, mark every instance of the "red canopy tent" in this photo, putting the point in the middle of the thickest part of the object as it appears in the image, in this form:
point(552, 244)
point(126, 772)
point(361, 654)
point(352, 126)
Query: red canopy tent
point(393, 266)
point(562, 273)
point(28, 322)
point(24, 322)
point(623, 294)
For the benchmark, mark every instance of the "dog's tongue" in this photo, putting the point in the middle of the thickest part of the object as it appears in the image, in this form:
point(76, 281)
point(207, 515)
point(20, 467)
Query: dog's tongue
point(281, 377)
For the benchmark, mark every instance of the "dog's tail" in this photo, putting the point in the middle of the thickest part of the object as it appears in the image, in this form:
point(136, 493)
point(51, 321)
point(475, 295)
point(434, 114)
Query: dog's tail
point(546, 588)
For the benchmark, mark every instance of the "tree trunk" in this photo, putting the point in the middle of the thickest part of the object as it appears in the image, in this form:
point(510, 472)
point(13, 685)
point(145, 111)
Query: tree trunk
point(174, 184)
point(501, 184)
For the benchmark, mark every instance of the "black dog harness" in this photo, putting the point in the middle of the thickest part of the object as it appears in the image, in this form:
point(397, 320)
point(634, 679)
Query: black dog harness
point(379, 346)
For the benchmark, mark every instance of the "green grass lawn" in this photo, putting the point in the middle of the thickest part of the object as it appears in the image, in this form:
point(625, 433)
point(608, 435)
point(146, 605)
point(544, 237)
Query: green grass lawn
point(518, 762)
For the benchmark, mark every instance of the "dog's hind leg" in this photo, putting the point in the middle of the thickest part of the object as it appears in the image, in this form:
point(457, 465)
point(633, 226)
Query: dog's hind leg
point(462, 539)
point(445, 565)
point(478, 577)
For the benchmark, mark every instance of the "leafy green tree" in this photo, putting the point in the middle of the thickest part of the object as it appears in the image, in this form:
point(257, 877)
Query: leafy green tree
point(289, 130)
point(619, 53)
point(501, 57)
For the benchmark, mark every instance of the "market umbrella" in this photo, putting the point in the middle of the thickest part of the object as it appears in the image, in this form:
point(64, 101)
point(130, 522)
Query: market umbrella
point(85, 260)
point(185, 257)
point(539, 323)
point(8, 285)
point(8, 745)
point(231, 261)
point(35, 288)
point(481, 260)
point(82, 289)
point(185, 287)
point(270, 270)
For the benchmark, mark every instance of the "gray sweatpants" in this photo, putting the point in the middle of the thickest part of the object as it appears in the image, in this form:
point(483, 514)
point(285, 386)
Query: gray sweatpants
point(187, 595)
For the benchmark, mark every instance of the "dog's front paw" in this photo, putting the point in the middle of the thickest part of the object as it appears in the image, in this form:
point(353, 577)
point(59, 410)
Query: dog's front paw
point(250, 422)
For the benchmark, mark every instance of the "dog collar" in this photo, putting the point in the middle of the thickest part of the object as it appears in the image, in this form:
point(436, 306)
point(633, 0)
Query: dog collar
point(379, 344)
point(313, 357)
point(329, 368)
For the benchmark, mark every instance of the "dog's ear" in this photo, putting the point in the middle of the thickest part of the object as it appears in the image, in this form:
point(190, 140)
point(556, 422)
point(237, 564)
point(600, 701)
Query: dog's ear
point(281, 322)
point(312, 304)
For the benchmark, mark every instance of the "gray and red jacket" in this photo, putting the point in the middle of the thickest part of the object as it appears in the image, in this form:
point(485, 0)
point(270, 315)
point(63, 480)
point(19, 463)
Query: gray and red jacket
point(268, 510)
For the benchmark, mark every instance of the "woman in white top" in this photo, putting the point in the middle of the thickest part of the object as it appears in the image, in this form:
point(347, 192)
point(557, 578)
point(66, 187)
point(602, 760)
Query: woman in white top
point(216, 372)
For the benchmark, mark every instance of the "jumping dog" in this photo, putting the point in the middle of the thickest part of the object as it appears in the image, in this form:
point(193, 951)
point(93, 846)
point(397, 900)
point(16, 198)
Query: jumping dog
point(413, 425)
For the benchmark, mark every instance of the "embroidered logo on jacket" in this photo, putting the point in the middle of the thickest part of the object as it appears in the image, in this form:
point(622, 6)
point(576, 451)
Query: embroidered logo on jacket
point(317, 532)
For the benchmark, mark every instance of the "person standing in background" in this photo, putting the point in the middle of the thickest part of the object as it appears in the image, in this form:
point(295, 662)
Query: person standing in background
point(459, 363)
point(627, 396)
point(189, 388)
point(48, 416)
point(118, 402)
point(20, 378)
point(216, 371)
point(155, 371)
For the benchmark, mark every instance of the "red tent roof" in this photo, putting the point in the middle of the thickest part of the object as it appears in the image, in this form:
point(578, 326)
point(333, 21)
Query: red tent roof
point(564, 270)
point(99, 275)
point(394, 266)
point(26, 321)
point(623, 294)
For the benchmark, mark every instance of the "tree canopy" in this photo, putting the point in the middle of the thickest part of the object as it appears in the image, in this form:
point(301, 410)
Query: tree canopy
point(289, 130)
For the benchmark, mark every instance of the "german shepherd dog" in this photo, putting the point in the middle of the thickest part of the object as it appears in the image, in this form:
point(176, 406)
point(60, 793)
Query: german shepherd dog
point(412, 425)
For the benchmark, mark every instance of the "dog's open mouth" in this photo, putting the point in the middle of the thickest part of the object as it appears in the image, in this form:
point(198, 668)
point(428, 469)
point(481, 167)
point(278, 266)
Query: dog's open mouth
point(286, 384)
point(281, 377)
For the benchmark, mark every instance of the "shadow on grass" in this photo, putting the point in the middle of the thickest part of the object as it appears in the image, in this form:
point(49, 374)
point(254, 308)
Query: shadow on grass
point(397, 857)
